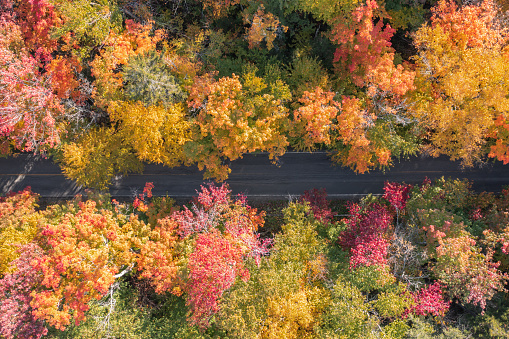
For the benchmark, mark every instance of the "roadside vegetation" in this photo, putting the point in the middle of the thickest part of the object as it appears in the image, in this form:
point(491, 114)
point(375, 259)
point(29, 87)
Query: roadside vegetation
point(107, 86)
point(423, 261)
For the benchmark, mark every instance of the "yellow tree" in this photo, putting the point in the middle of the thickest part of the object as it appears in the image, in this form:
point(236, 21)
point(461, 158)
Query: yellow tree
point(285, 296)
point(18, 225)
point(462, 80)
point(97, 157)
point(156, 133)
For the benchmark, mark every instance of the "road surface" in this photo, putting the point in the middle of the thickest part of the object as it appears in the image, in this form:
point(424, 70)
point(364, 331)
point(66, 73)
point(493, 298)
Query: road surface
point(254, 176)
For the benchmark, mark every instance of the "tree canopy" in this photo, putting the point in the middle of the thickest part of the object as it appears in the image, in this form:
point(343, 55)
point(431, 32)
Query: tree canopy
point(205, 82)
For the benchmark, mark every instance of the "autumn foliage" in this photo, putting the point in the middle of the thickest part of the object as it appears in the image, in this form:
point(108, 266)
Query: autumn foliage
point(85, 248)
point(461, 108)
point(236, 117)
point(430, 300)
point(408, 256)
point(17, 319)
point(107, 86)
point(83, 79)
point(367, 235)
point(18, 225)
point(365, 52)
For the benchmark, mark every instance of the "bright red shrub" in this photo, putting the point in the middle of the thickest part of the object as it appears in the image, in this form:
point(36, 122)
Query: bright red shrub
point(396, 194)
point(430, 300)
point(366, 235)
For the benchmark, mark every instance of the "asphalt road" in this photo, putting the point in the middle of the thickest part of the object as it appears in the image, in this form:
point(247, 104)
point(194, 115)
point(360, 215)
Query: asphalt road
point(254, 176)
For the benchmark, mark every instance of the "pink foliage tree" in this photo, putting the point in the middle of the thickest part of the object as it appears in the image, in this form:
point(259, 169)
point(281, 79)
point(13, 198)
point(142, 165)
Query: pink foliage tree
point(16, 317)
point(225, 233)
point(466, 272)
point(29, 109)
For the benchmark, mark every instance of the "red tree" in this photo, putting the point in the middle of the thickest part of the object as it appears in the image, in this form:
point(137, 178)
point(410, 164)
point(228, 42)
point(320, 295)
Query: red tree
point(317, 199)
point(213, 267)
point(366, 235)
point(430, 300)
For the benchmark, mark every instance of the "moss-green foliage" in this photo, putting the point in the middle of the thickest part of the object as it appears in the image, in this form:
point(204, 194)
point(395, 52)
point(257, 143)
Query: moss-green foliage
point(126, 321)
point(321, 9)
point(494, 323)
point(366, 303)
point(89, 21)
point(406, 14)
point(421, 328)
point(459, 240)
point(305, 74)
point(148, 79)
point(165, 317)
point(349, 316)
point(399, 139)
point(451, 195)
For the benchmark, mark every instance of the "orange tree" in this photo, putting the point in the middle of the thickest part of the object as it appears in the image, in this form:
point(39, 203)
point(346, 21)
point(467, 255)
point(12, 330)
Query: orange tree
point(236, 116)
point(373, 126)
point(85, 249)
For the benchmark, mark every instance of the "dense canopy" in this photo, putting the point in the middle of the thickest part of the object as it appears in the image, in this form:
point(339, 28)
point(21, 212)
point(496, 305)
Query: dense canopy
point(106, 86)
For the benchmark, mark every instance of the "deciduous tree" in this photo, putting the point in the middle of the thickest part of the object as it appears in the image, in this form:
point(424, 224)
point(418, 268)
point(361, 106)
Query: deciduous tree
point(365, 54)
point(202, 251)
point(156, 133)
point(462, 67)
point(367, 235)
point(17, 319)
point(97, 157)
point(136, 40)
point(236, 117)
point(283, 296)
point(317, 199)
point(314, 121)
point(18, 225)
point(85, 249)
point(31, 114)
point(263, 27)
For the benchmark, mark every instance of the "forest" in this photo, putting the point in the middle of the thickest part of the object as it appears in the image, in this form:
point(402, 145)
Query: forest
point(106, 86)
point(103, 87)
point(422, 261)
